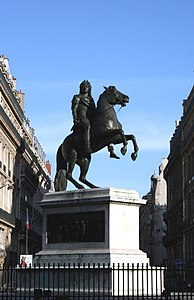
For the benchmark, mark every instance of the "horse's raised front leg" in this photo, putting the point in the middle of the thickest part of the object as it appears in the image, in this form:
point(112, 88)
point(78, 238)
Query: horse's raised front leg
point(71, 165)
point(124, 140)
point(136, 148)
point(84, 166)
point(111, 151)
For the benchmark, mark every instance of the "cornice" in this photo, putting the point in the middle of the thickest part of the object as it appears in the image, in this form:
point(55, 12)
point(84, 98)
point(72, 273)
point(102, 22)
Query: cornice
point(11, 98)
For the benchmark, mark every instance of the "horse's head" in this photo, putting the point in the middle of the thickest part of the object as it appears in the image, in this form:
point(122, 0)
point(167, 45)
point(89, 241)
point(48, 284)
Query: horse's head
point(115, 97)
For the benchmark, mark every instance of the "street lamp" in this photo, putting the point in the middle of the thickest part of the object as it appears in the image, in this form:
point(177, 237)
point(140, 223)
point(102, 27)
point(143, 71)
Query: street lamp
point(10, 186)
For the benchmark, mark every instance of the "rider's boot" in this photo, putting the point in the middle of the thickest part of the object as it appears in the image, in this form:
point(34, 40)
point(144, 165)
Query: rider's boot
point(87, 140)
point(112, 154)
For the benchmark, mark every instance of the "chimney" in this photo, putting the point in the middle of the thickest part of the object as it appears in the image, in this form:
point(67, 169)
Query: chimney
point(48, 166)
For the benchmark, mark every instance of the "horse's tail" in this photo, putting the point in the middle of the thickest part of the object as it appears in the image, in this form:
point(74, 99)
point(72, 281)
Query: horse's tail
point(60, 181)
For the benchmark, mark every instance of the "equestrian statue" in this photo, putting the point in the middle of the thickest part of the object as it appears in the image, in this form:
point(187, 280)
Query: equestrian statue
point(95, 127)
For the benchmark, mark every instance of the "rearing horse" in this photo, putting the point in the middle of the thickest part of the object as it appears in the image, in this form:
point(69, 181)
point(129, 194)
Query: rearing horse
point(106, 130)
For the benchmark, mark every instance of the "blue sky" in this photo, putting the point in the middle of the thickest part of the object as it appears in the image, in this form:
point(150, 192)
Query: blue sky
point(144, 48)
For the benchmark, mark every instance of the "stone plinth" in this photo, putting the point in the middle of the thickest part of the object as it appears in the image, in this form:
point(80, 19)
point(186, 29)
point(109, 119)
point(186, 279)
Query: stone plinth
point(91, 226)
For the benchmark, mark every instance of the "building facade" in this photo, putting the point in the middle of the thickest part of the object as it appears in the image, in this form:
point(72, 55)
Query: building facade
point(24, 177)
point(152, 225)
point(179, 175)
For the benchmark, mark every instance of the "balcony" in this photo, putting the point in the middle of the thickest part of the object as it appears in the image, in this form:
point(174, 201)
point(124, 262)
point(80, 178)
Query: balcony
point(28, 175)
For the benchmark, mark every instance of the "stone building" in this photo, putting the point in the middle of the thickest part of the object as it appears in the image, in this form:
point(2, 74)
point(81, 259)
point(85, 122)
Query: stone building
point(24, 176)
point(152, 226)
point(179, 175)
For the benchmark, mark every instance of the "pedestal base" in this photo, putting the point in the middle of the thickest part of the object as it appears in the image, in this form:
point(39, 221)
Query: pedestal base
point(96, 226)
point(92, 257)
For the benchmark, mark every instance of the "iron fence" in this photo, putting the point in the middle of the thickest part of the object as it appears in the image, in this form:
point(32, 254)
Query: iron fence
point(95, 281)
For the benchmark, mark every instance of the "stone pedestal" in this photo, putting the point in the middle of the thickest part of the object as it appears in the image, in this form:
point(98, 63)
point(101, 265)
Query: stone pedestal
point(98, 226)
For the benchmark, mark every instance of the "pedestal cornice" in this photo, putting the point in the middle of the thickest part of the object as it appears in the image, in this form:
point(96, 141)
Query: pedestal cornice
point(89, 196)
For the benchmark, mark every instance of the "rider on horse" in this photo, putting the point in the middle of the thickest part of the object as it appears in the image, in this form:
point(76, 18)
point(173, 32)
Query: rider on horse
point(83, 110)
point(106, 130)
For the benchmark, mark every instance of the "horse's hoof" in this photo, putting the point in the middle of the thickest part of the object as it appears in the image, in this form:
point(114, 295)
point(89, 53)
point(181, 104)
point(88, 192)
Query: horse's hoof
point(113, 155)
point(123, 150)
point(133, 156)
point(81, 187)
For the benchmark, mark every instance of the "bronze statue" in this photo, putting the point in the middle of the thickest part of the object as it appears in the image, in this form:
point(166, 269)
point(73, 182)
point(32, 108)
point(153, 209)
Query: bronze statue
point(83, 108)
point(102, 129)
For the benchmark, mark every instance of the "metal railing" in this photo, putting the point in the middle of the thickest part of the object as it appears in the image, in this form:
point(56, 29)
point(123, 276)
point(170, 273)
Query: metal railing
point(95, 281)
